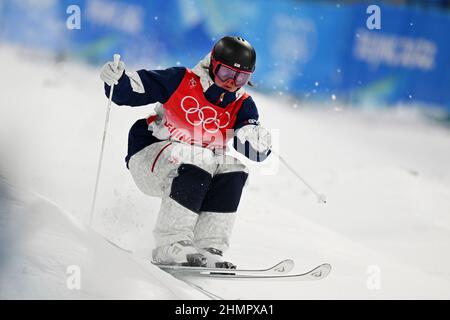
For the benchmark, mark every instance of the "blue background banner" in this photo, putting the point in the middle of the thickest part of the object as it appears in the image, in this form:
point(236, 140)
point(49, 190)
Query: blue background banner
point(305, 49)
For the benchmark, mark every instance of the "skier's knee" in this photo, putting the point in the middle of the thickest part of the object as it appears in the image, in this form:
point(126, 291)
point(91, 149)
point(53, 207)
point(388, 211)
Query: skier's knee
point(224, 193)
point(231, 164)
point(190, 186)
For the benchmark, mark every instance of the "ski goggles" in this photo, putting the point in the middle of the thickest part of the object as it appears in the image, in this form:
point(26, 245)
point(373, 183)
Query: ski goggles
point(225, 72)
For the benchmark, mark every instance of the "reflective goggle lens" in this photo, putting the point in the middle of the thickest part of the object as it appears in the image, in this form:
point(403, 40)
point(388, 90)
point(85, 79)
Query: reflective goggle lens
point(225, 73)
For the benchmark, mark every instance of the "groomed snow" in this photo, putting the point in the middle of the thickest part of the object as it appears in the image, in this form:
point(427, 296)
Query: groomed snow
point(385, 228)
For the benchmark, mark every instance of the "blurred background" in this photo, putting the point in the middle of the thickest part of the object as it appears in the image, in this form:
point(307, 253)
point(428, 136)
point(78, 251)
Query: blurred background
point(356, 94)
point(310, 50)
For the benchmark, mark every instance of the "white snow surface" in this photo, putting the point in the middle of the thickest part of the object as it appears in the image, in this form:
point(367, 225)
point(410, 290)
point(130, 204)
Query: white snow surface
point(385, 229)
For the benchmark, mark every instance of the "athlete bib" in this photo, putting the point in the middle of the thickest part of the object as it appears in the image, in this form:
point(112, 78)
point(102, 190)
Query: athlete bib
point(191, 118)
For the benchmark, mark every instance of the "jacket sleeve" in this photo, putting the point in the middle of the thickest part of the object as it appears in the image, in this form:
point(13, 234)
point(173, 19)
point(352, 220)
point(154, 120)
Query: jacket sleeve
point(248, 115)
point(146, 86)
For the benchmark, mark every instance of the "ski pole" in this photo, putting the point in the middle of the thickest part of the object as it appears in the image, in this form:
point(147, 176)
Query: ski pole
point(99, 167)
point(320, 197)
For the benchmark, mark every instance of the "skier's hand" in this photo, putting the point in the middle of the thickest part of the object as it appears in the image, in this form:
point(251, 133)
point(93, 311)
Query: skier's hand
point(259, 138)
point(111, 74)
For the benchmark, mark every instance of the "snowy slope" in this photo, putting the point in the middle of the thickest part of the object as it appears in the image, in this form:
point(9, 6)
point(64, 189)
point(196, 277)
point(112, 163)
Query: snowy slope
point(46, 252)
point(385, 175)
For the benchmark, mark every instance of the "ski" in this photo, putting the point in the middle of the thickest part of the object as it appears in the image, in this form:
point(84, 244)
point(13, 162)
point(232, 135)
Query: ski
point(278, 272)
point(317, 273)
point(282, 267)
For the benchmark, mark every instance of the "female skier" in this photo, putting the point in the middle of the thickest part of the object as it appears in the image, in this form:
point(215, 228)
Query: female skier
point(178, 153)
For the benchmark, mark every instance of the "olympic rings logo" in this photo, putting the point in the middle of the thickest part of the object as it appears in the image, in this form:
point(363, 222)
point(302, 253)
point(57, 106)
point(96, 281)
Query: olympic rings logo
point(205, 116)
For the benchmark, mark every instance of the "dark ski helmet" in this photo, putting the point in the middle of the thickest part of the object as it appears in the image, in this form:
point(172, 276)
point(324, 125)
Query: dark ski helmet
point(235, 52)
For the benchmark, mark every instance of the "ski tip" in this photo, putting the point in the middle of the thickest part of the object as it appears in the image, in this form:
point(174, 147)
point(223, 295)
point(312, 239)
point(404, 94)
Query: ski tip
point(321, 271)
point(285, 266)
point(288, 261)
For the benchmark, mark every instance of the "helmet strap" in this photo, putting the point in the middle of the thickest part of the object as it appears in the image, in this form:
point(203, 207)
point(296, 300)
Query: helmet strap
point(211, 71)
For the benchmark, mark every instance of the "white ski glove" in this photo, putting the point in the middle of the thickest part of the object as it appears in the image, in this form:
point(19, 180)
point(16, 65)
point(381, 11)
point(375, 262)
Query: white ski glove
point(258, 137)
point(111, 74)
